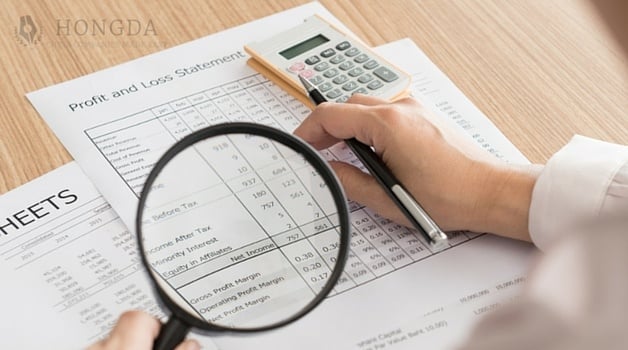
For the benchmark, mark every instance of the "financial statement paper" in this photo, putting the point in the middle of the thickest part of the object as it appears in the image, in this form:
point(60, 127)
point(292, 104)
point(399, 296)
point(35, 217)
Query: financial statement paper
point(69, 266)
point(117, 122)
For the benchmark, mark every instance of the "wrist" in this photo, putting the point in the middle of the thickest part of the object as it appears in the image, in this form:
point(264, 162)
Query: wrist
point(506, 198)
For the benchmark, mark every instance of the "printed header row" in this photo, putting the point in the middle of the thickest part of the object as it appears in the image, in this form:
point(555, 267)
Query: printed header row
point(207, 95)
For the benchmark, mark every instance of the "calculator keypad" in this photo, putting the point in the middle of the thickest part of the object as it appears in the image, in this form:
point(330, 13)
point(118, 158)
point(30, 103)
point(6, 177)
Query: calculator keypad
point(307, 73)
point(321, 66)
point(356, 72)
point(346, 65)
point(352, 52)
point(385, 74)
point(328, 53)
point(371, 64)
point(331, 73)
point(312, 60)
point(361, 58)
point(337, 59)
point(341, 79)
point(343, 70)
point(343, 46)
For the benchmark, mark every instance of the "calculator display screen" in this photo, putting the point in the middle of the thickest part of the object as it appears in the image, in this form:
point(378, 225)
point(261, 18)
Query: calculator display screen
point(303, 46)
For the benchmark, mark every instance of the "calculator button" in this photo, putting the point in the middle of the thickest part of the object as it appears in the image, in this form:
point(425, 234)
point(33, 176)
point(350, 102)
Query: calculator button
point(365, 78)
point(321, 66)
point(334, 93)
point(324, 87)
point(343, 46)
point(352, 52)
point(361, 58)
point(316, 80)
point(375, 84)
point(355, 72)
point(297, 67)
point(341, 79)
point(331, 73)
point(328, 53)
point(371, 64)
point(312, 60)
point(385, 74)
point(352, 85)
point(337, 59)
point(361, 91)
point(342, 99)
point(346, 65)
point(307, 74)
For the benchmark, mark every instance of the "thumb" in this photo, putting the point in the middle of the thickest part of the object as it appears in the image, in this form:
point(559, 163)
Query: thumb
point(331, 122)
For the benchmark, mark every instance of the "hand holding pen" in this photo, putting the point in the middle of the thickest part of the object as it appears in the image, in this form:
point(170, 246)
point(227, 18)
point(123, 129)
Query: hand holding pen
point(405, 202)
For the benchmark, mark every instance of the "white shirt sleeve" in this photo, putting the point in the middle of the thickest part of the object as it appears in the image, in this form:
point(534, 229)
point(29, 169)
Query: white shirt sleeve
point(584, 180)
point(576, 296)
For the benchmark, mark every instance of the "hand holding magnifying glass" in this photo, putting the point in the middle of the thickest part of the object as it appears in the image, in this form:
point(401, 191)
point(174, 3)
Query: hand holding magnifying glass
point(243, 228)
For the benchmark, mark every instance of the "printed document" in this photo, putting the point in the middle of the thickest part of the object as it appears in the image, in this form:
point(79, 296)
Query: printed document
point(69, 265)
point(119, 121)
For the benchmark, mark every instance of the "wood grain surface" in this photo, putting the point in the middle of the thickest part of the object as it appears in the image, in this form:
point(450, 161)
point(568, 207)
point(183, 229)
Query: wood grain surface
point(541, 70)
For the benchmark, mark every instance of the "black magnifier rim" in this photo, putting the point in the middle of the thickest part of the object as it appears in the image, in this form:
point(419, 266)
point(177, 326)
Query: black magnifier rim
point(294, 143)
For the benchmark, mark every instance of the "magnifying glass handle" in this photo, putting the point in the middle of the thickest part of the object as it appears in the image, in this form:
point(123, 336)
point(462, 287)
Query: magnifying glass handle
point(171, 334)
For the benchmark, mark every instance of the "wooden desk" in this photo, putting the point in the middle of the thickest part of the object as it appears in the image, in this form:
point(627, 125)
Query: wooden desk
point(541, 70)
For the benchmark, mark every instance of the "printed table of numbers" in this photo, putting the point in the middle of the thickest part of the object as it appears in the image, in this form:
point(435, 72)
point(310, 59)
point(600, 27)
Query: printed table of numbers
point(133, 144)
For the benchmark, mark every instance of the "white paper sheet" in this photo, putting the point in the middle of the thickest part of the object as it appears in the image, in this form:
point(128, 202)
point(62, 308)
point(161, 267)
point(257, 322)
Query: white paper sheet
point(69, 266)
point(117, 139)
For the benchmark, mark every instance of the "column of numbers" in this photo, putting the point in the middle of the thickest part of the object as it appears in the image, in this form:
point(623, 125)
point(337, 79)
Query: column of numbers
point(211, 113)
point(406, 240)
point(252, 107)
point(230, 108)
point(191, 116)
point(177, 128)
point(296, 108)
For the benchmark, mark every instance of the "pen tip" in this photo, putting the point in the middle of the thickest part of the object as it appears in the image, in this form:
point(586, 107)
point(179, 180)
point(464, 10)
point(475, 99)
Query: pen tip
point(306, 83)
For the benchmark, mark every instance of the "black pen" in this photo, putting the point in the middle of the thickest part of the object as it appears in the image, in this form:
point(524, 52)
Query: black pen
point(406, 203)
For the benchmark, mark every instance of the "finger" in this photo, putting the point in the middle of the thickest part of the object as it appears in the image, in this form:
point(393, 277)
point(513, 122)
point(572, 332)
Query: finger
point(189, 344)
point(332, 122)
point(364, 189)
point(135, 320)
point(363, 117)
point(366, 100)
point(97, 346)
point(134, 330)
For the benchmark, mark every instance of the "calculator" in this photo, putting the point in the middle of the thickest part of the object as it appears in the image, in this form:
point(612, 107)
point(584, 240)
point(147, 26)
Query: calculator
point(337, 64)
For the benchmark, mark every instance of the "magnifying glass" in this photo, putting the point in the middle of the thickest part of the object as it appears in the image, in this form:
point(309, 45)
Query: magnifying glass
point(242, 228)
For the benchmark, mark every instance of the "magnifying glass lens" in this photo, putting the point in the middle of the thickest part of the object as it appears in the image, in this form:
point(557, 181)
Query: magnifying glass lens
point(240, 231)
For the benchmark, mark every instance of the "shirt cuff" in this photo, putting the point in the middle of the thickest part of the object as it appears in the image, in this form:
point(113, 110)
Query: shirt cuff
point(572, 187)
